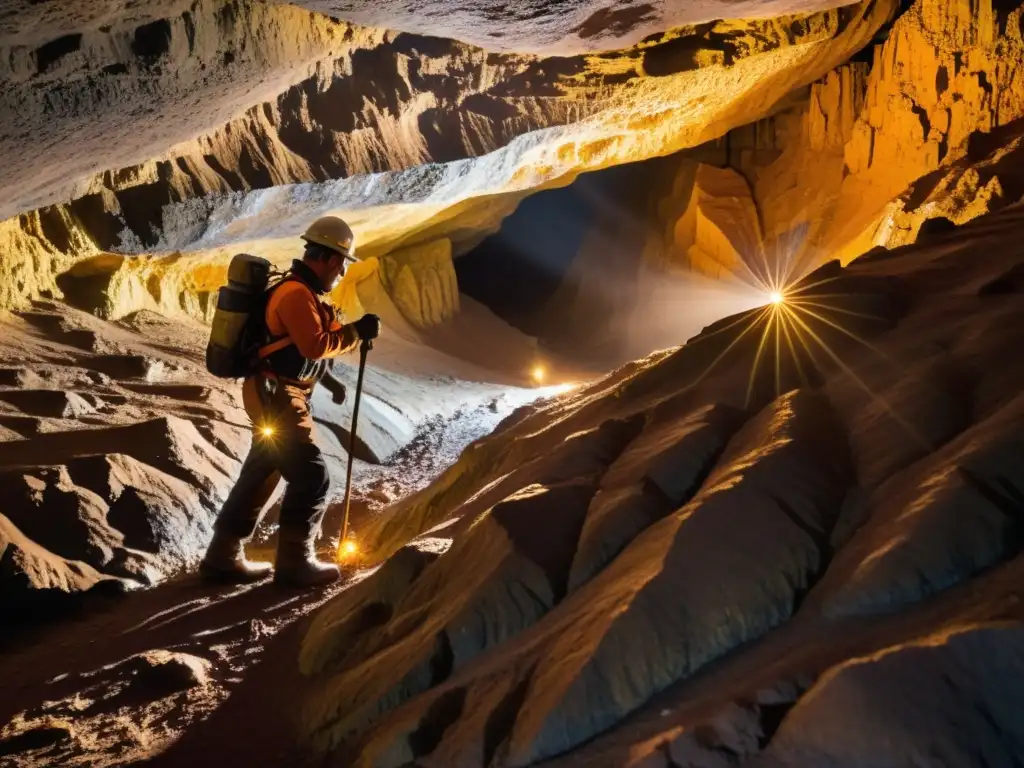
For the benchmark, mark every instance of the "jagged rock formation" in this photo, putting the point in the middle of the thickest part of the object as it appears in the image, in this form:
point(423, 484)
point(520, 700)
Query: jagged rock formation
point(389, 102)
point(87, 96)
point(946, 72)
point(113, 470)
point(804, 187)
point(661, 564)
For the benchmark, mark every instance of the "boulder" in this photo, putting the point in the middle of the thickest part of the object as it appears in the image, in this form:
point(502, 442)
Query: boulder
point(33, 580)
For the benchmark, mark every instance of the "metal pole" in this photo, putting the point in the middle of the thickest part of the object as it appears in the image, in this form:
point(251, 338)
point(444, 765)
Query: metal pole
point(365, 347)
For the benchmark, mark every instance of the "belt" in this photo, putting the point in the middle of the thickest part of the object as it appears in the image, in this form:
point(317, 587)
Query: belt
point(269, 349)
point(268, 374)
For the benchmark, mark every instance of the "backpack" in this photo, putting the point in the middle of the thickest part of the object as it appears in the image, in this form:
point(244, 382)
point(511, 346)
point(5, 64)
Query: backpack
point(239, 328)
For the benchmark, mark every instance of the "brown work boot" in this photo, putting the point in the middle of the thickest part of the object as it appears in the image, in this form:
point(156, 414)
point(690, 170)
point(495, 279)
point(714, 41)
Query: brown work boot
point(298, 566)
point(225, 561)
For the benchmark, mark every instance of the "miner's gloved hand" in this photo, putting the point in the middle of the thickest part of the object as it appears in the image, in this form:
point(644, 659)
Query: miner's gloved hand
point(337, 392)
point(367, 327)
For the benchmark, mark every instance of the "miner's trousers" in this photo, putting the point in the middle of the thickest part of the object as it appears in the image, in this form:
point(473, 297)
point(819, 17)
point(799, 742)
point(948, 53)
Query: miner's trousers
point(282, 447)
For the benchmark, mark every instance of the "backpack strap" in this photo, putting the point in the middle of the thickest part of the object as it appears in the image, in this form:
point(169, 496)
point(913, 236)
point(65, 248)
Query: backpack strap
point(285, 341)
point(265, 350)
point(268, 349)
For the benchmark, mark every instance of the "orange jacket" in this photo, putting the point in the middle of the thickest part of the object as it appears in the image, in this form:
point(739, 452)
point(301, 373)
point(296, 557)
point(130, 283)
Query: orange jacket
point(295, 311)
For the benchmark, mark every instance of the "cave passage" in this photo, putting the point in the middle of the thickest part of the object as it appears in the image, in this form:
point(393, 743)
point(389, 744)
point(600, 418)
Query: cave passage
point(517, 271)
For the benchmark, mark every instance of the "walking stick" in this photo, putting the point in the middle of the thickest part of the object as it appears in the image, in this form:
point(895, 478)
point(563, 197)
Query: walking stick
point(365, 347)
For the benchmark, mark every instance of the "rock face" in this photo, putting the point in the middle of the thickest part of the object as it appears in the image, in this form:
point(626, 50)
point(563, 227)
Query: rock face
point(666, 560)
point(135, 502)
point(291, 97)
point(930, 681)
point(945, 74)
point(30, 570)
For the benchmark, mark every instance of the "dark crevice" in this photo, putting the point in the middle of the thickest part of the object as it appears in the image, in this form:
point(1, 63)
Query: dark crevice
point(443, 660)
point(442, 713)
point(679, 55)
point(1005, 497)
point(190, 30)
point(55, 229)
point(232, 179)
point(922, 115)
point(503, 717)
point(772, 716)
point(371, 616)
point(983, 82)
point(55, 50)
point(151, 41)
point(819, 537)
point(525, 522)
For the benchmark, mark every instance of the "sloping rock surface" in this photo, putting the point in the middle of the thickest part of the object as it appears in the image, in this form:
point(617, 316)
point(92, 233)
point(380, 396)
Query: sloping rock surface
point(794, 489)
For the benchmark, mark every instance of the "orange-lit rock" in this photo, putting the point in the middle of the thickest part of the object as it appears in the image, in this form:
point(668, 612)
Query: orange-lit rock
point(945, 71)
point(718, 234)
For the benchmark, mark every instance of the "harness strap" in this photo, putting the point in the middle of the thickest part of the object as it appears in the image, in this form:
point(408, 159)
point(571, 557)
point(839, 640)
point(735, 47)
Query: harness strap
point(286, 341)
point(274, 346)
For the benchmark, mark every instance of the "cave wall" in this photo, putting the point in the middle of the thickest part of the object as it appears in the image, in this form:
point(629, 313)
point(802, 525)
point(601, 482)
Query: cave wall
point(428, 144)
point(947, 72)
point(287, 131)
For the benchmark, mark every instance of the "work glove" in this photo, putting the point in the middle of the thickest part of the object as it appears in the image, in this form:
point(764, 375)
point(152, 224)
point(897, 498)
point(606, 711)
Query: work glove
point(367, 327)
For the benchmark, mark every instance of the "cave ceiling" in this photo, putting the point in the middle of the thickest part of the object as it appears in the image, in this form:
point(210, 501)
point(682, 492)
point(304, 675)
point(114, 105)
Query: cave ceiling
point(216, 124)
point(554, 27)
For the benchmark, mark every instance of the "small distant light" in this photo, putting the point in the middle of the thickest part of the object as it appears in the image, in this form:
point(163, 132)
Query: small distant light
point(267, 431)
point(776, 297)
point(538, 374)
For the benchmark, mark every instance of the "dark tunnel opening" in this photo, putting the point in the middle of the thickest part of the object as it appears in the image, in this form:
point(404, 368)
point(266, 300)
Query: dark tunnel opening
point(524, 272)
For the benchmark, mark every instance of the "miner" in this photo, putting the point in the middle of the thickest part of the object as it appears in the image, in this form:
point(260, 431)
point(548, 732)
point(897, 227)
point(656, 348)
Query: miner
point(301, 335)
